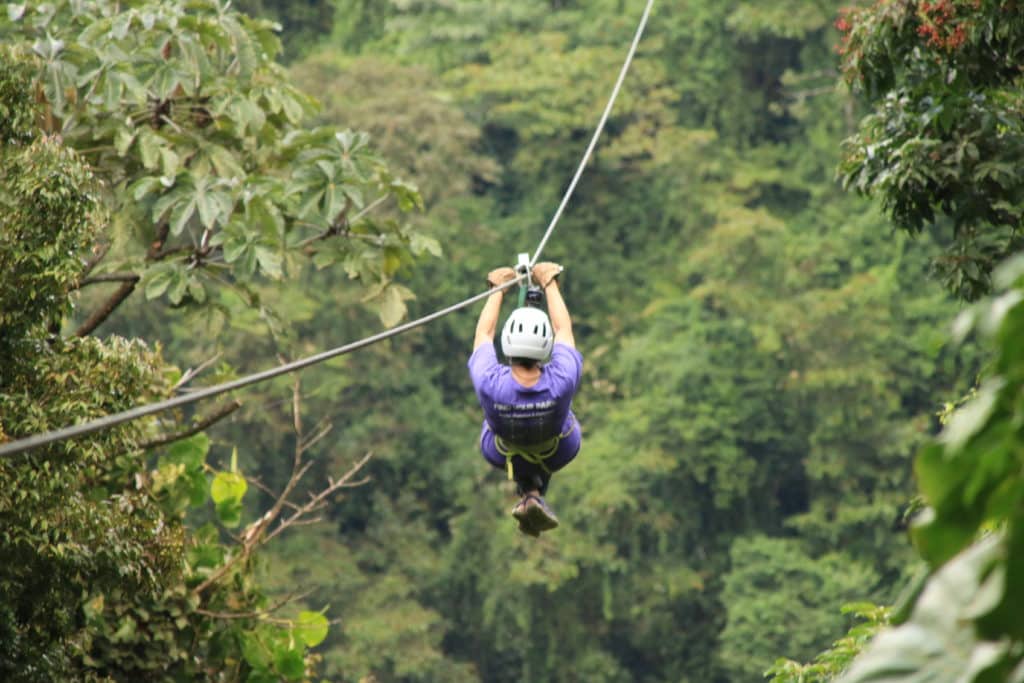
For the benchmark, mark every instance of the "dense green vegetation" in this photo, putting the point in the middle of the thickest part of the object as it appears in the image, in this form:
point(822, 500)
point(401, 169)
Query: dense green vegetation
point(765, 353)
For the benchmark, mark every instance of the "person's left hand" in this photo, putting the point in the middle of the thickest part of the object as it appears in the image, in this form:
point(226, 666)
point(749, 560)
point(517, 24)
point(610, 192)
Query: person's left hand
point(545, 272)
point(500, 276)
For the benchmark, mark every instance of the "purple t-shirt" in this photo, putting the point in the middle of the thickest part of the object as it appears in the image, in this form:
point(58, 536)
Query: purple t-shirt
point(527, 415)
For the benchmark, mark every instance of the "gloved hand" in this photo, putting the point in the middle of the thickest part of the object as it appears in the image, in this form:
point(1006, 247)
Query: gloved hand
point(500, 276)
point(545, 272)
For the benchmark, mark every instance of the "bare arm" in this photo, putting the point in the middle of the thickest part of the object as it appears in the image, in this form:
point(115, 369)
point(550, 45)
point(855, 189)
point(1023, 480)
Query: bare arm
point(559, 314)
point(488, 322)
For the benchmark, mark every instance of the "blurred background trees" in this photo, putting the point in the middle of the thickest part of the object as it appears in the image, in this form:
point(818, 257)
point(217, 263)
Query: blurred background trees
point(764, 351)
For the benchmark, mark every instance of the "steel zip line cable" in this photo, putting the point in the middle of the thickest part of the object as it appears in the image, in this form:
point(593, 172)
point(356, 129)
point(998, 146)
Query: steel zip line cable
point(28, 443)
point(597, 133)
point(22, 445)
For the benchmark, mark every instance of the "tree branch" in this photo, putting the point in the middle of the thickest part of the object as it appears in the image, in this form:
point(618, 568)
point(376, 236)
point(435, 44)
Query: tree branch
point(158, 249)
point(191, 373)
point(338, 227)
point(107, 277)
point(312, 441)
point(370, 207)
point(256, 614)
point(318, 500)
point(104, 311)
point(255, 481)
point(204, 423)
point(98, 253)
point(162, 230)
point(341, 224)
point(171, 251)
point(258, 533)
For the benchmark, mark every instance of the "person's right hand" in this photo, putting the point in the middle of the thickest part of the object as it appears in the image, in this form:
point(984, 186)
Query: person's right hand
point(545, 272)
point(500, 276)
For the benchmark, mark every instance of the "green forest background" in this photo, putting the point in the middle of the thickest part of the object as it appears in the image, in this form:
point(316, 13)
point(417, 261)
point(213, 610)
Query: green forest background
point(765, 349)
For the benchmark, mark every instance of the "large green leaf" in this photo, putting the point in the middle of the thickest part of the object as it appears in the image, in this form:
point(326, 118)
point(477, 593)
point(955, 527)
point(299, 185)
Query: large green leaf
point(190, 452)
point(938, 644)
point(290, 663)
point(228, 487)
point(311, 628)
point(229, 512)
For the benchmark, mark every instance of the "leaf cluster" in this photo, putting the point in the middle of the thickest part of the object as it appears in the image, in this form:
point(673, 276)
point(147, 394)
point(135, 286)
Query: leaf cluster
point(944, 82)
point(961, 623)
point(49, 212)
point(828, 665)
point(101, 575)
point(199, 137)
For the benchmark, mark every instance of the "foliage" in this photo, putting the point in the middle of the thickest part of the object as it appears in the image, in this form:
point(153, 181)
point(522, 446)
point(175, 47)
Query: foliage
point(50, 208)
point(74, 526)
point(762, 355)
point(183, 112)
point(964, 623)
point(951, 66)
point(762, 358)
point(767, 573)
point(442, 32)
point(946, 132)
point(410, 117)
point(15, 118)
point(73, 523)
point(102, 578)
point(300, 23)
point(829, 664)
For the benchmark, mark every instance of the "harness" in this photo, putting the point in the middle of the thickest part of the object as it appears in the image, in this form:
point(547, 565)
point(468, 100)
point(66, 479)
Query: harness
point(534, 454)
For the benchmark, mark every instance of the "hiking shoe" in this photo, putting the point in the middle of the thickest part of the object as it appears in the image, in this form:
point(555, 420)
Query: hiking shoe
point(534, 515)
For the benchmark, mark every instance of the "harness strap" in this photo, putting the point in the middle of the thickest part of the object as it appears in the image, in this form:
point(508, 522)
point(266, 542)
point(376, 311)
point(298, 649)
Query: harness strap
point(534, 454)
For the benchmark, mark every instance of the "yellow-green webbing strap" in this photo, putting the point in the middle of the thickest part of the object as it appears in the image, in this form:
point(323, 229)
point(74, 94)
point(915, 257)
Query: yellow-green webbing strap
point(535, 454)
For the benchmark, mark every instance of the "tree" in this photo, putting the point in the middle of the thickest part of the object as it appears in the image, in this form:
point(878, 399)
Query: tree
point(761, 360)
point(197, 135)
point(70, 525)
point(762, 357)
point(443, 33)
point(828, 665)
point(960, 622)
point(940, 148)
point(767, 575)
point(946, 81)
point(102, 578)
point(301, 23)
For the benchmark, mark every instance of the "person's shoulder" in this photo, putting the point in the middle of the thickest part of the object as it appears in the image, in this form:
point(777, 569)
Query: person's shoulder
point(561, 348)
point(483, 363)
point(566, 362)
point(484, 353)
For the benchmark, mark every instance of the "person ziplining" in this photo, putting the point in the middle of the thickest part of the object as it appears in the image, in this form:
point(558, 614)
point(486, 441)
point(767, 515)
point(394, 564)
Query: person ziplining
point(529, 428)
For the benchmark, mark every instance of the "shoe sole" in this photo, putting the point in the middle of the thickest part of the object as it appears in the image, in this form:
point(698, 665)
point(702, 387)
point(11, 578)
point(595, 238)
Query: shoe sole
point(520, 516)
point(535, 518)
point(529, 531)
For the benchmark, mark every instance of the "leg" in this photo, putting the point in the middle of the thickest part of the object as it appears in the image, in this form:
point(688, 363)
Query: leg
point(532, 511)
point(529, 477)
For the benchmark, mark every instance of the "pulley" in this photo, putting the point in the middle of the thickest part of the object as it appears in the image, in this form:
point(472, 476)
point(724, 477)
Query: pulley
point(529, 293)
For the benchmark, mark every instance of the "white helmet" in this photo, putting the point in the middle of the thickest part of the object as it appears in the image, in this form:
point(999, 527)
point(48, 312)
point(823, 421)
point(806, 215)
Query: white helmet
point(527, 334)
